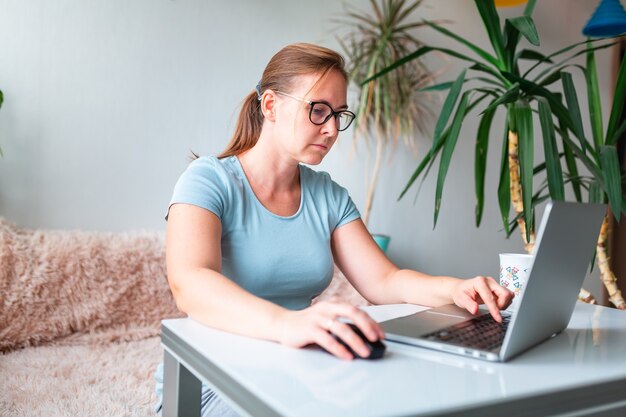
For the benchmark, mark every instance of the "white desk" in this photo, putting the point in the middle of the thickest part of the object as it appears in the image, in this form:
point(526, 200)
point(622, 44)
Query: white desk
point(580, 372)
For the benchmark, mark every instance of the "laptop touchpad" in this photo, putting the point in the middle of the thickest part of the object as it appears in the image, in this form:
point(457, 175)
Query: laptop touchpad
point(426, 321)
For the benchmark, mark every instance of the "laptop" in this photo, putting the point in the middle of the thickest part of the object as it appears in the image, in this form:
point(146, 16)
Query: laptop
point(564, 247)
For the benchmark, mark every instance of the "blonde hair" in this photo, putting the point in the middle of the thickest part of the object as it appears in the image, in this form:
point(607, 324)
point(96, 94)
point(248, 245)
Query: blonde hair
point(290, 62)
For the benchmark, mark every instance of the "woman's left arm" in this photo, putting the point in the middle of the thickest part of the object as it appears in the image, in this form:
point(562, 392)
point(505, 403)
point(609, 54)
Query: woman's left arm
point(381, 282)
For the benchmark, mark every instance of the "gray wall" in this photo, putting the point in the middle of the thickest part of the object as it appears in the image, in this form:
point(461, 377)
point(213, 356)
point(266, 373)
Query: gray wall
point(105, 99)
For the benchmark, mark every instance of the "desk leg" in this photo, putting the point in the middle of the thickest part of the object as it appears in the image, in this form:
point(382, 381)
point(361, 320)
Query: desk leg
point(181, 390)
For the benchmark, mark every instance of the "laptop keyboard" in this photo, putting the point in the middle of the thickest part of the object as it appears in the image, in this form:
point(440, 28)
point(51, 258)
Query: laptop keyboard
point(482, 333)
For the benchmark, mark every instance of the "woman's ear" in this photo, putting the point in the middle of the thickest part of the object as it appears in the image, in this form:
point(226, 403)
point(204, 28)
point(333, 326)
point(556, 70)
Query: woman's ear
point(268, 105)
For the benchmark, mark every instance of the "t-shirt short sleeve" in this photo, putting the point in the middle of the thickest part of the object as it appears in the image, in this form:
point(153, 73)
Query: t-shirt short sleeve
point(345, 208)
point(202, 184)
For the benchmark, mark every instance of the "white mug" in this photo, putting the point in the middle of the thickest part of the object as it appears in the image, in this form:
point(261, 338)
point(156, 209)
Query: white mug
point(514, 271)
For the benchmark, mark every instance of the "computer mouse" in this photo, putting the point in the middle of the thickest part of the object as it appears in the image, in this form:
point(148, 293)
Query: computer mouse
point(377, 348)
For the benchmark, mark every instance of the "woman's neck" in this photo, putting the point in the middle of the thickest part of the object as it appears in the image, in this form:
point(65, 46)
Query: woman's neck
point(266, 169)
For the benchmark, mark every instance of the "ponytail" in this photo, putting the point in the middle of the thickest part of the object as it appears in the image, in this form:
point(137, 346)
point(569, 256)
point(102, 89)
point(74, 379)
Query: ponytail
point(248, 127)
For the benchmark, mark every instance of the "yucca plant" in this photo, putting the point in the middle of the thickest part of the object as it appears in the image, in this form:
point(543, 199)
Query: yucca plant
point(391, 106)
point(497, 81)
point(606, 182)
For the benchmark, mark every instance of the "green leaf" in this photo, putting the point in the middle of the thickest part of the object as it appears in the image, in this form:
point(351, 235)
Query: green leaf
point(617, 134)
point(559, 52)
point(526, 26)
point(559, 110)
point(414, 55)
point(476, 102)
point(551, 78)
point(480, 162)
point(504, 184)
point(446, 153)
point(511, 39)
point(513, 27)
point(561, 64)
point(573, 108)
point(593, 95)
point(537, 199)
point(448, 106)
point(480, 52)
point(485, 80)
point(570, 162)
point(406, 12)
point(424, 50)
point(509, 96)
point(491, 20)
point(618, 101)
point(424, 162)
point(531, 55)
point(596, 193)
point(612, 178)
point(386, 110)
point(429, 158)
point(437, 87)
point(539, 168)
point(524, 121)
point(542, 166)
point(494, 92)
point(484, 68)
point(551, 152)
point(530, 6)
point(584, 158)
point(593, 260)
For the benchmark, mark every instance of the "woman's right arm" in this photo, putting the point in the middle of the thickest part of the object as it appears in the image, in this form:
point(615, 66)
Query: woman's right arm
point(193, 252)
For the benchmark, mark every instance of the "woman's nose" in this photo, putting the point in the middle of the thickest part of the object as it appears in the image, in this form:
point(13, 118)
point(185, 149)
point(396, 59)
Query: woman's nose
point(330, 127)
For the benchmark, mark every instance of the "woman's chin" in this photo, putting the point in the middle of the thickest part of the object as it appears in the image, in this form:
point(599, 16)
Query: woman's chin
point(312, 159)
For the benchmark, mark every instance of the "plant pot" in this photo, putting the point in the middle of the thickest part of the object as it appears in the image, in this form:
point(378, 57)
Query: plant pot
point(382, 241)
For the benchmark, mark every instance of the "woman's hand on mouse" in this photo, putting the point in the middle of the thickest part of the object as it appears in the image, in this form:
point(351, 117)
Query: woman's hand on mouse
point(318, 323)
point(470, 293)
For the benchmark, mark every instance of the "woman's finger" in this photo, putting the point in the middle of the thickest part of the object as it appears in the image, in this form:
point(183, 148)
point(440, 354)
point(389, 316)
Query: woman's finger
point(349, 337)
point(503, 295)
point(487, 297)
point(364, 322)
point(467, 301)
point(325, 340)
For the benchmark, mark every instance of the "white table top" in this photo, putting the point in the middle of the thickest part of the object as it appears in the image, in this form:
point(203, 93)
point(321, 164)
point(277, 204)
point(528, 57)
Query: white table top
point(411, 380)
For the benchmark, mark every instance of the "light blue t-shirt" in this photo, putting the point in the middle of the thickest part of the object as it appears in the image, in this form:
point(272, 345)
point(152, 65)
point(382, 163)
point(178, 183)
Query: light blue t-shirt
point(286, 260)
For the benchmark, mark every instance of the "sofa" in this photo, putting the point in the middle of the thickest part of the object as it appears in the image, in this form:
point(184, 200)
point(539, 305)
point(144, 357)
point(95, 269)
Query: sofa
point(80, 320)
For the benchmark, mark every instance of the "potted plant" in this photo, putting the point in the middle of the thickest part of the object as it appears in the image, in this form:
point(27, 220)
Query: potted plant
point(497, 82)
point(389, 107)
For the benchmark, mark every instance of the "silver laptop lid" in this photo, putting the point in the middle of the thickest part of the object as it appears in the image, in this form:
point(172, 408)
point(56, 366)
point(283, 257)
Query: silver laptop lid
point(564, 248)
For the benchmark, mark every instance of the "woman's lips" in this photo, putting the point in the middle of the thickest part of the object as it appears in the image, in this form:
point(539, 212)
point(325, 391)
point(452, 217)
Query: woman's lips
point(320, 146)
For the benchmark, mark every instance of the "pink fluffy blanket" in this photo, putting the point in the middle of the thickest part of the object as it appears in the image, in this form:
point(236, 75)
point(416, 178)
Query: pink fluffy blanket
point(76, 287)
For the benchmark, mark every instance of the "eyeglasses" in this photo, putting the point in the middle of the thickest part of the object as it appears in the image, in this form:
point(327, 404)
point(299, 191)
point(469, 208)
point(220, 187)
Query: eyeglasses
point(320, 113)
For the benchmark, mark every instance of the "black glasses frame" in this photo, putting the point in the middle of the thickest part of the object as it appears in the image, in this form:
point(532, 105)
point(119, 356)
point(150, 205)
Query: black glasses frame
point(333, 113)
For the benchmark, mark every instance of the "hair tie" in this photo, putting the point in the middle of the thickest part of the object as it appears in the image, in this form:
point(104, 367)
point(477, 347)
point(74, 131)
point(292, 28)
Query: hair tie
point(258, 91)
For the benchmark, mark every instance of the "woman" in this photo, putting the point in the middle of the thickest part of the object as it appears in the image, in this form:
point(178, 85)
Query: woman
point(252, 234)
